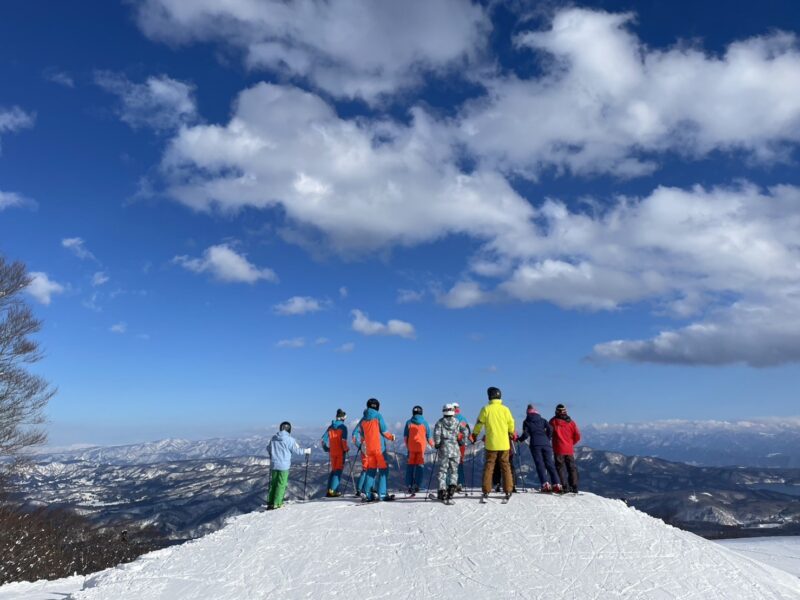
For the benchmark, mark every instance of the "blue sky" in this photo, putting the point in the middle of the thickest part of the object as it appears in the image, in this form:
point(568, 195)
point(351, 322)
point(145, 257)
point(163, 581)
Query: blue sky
point(264, 211)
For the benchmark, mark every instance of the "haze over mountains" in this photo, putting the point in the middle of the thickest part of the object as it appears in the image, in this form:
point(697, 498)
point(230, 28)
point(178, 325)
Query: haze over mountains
point(189, 488)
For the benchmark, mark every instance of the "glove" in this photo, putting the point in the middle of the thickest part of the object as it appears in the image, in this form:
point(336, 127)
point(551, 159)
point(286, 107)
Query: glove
point(515, 437)
point(392, 437)
point(473, 438)
point(307, 451)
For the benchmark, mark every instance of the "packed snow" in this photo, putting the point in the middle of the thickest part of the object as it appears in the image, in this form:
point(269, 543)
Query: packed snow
point(779, 551)
point(536, 546)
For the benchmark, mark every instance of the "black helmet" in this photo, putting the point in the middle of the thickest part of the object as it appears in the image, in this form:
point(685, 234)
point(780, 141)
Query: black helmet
point(417, 410)
point(286, 426)
point(340, 414)
point(373, 404)
point(561, 409)
point(493, 393)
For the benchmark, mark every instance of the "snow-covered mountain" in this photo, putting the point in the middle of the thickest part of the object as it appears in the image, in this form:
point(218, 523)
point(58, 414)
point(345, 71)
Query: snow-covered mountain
point(189, 498)
point(754, 443)
point(537, 546)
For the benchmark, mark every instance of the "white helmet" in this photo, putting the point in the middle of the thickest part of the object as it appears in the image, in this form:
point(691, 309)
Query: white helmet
point(448, 410)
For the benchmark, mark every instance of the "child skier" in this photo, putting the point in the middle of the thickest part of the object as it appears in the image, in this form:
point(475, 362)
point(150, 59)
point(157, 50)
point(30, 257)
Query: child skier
point(540, 432)
point(465, 430)
point(448, 441)
point(417, 435)
point(565, 436)
point(334, 441)
point(280, 451)
point(373, 433)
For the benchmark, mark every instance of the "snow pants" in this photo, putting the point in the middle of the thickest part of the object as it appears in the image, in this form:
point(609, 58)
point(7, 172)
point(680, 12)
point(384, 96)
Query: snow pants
point(545, 464)
point(493, 457)
point(277, 488)
point(497, 475)
point(448, 471)
point(334, 479)
point(461, 480)
point(567, 471)
point(376, 475)
point(415, 474)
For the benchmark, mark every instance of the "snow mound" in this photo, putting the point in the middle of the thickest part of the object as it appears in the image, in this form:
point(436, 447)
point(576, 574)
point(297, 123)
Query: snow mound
point(537, 546)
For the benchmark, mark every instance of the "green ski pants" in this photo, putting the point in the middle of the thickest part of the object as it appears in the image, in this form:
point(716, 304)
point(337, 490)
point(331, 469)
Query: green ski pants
point(277, 488)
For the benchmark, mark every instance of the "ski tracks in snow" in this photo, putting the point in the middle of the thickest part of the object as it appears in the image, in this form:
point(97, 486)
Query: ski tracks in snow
point(537, 546)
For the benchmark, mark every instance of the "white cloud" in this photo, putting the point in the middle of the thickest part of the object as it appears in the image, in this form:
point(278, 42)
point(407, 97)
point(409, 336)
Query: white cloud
point(464, 294)
point(362, 324)
point(99, 278)
point(14, 200)
point(160, 103)
point(78, 247)
point(321, 341)
point(604, 98)
point(407, 296)
point(348, 48)
point(298, 305)
point(361, 184)
point(59, 77)
point(297, 342)
point(119, 328)
point(757, 335)
point(346, 347)
point(226, 265)
point(13, 119)
point(42, 288)
point(343, 292)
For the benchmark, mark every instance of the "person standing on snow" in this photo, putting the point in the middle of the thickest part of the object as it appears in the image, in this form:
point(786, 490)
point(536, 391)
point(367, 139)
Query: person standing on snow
point(373, 433)
point(565, 436)
point(417, 435)
point(280, 450)
point(499, 424)
point(464, 436)
point(448, 440)
point(540, 433)
point(334, 441)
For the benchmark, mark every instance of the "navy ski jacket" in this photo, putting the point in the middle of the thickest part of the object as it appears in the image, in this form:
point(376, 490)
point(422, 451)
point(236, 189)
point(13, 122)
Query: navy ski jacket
point(536, 428)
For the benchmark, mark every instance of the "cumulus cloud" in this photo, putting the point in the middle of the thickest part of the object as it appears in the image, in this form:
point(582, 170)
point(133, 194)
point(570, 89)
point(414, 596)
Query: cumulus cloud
point(42, 288)
point(78, 247)
point(360, 184)
point(605, 102)
point(226, 265)
point(464, 294)
point(14, 200)
point(346, 347)
point(119, 328)
point(362, 324)
point(299, 305)
point(757, 335)
point(348, 48)
point(297, 342)
point(160, 103)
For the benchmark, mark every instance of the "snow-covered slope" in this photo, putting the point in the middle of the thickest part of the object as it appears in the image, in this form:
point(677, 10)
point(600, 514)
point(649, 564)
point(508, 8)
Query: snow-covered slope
point(537, 546)
point(782, 551)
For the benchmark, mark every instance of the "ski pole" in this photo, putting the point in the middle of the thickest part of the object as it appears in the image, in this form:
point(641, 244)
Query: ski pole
point(396, 460)
point(352, 466)
point(305, 478)
point(430, 479)
point(521, 474)
point(472, 476)
point(519, 466)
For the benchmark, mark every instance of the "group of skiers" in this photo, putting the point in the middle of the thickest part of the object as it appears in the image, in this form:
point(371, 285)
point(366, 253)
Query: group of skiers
point(551, 445)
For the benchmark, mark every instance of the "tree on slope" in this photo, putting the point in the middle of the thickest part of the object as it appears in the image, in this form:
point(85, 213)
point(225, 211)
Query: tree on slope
point(23, 395)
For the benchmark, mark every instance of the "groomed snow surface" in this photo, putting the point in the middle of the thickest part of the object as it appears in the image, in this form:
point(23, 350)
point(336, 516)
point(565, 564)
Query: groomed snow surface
point(537, 546)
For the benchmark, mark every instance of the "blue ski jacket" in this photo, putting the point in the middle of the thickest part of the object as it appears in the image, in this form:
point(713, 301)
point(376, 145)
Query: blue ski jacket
point(538, 429)
point(280, 451)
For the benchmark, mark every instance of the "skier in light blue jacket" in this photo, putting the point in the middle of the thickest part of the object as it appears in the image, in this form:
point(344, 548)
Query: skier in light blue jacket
point(280, 450)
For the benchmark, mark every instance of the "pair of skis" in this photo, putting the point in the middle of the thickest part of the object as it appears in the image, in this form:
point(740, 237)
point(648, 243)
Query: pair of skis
point(503, 500)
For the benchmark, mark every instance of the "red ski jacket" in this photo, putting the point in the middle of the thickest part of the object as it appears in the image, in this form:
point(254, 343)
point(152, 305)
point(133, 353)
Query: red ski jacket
point(565, 435)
